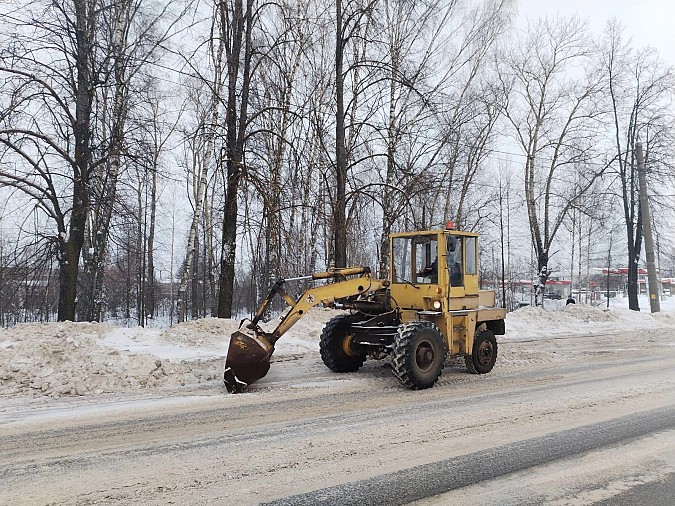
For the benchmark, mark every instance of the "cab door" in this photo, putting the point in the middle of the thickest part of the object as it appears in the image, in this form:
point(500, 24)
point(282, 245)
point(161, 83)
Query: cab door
point(455, 264)
point(471, 285)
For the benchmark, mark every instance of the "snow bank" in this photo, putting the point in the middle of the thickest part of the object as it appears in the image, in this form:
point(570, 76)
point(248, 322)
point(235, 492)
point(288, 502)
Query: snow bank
point(61, 359)
point(68, 358)
point(580, 319)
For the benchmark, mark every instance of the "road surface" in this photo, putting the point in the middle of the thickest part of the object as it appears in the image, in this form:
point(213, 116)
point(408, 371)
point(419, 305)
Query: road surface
point(559, 421)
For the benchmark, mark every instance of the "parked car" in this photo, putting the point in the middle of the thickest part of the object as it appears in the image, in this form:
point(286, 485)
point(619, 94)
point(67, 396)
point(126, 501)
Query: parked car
point(553, 296)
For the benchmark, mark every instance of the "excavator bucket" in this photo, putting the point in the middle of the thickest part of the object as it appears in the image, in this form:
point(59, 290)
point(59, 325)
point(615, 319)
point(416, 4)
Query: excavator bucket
point(248, 360)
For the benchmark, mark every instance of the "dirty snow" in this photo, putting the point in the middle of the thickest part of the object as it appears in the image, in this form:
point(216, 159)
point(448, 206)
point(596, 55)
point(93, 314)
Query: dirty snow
point(60, 359)
point(78, 359)
point(580, 319)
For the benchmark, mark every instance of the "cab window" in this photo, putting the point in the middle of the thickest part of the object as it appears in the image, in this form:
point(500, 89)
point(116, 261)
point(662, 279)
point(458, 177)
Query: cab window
point(415, 259)
point(454, 246)
point(400, 249)
point(426, 259)
point(470, 245)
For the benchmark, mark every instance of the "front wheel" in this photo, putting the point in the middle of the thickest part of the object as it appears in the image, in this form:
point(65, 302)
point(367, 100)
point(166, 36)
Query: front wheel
point(338, 351)
point(484, 354)
point(418, 355)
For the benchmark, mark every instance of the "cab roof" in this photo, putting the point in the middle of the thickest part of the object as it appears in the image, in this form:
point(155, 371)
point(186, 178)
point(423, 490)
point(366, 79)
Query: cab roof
point(433, 232)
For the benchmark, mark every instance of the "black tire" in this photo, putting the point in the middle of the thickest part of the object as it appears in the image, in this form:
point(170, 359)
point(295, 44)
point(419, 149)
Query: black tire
point(335, 346)
point(418, 355)
point(484, 353)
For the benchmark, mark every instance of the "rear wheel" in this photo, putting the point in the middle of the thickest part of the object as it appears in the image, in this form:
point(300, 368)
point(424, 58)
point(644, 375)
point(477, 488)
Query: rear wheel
point(484, 353)
point(338, 351)
point(418, 355)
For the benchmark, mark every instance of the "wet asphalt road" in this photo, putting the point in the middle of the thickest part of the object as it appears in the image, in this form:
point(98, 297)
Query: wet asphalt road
point(661, 492)
point(559, 421)
point(440, 477)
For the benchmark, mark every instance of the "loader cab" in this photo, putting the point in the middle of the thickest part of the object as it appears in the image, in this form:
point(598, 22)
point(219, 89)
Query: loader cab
point(432, 270)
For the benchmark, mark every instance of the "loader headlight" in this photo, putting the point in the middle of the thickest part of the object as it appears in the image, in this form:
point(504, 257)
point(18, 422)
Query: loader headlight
point(437, 304)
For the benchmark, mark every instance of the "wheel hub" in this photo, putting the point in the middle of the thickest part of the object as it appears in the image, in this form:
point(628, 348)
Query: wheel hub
point(485, 352)
point(424, 356)
point(347, 347)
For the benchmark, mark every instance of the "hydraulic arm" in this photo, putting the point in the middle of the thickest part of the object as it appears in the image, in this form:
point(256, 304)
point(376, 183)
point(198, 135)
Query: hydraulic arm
point(248, 356)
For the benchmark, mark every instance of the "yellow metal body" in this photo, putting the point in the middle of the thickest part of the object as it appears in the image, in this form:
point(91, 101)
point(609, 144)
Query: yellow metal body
point(444, 291)
point(456, 309)
point(326, 295)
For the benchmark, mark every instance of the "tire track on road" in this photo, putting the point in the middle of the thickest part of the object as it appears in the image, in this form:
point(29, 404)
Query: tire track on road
point(405, 486)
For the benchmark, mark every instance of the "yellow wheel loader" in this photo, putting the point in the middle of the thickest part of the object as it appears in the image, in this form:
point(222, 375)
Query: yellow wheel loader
point(431, 308)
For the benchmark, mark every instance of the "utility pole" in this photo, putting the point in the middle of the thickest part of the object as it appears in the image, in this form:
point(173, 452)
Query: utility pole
point(654, 301)
point(609, 262)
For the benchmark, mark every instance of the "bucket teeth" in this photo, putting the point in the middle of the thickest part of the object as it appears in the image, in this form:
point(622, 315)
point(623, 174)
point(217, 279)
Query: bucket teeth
point(233, 384)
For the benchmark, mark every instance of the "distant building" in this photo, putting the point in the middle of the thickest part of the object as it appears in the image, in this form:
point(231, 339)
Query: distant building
point(618, 280)
point(667, 285)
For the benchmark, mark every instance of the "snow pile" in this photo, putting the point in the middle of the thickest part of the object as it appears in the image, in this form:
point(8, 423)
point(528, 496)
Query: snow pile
point(70, 359)
point(580, 319)
point(205, 333)
point(590, 314)
point(305, 334)
point(211, 335)
point(59, 359)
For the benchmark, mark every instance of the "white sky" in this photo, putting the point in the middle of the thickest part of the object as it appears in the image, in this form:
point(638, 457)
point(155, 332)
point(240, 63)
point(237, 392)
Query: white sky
point(647, 22)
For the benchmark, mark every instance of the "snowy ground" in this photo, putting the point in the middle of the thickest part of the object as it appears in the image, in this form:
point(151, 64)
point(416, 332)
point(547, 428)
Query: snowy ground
point(87, 359)
point(97, 414)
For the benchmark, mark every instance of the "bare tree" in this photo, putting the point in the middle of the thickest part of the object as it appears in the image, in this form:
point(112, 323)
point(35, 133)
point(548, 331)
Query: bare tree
point(409, 103)
point(640, 89)
point(63, 117)
point(157, 128)
point(428, 64)
point(353, 21)
point(202, 145)
point(236, 30)
point(53, 154)
point(275, 159)
point(554, 119)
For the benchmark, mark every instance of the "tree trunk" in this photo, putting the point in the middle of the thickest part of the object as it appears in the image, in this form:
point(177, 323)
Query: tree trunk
point(68, 270)
point(209, 264)
point(150, 304)
point(194, 295)
point(69, 263)
point(634, 247)
point(241, 39)
point(543, 273)
point(501, 242)
point(340, 200)
point(127, 292)
point(140, 252)
point(229, 245)
point(573, 245)
point(387, 197)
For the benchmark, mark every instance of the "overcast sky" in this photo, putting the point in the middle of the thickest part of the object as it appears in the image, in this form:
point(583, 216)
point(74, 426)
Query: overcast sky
point(648, 22)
